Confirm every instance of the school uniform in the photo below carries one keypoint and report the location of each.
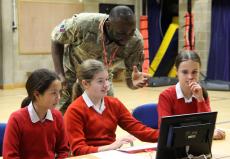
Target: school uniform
(88, 127)
(29, 138)
(172, 102)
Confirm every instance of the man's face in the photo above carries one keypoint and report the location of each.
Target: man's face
(121, 31)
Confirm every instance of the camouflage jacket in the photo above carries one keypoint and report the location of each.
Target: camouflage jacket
(83, 34)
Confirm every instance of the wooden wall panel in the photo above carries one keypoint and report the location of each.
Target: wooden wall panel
(36, 21)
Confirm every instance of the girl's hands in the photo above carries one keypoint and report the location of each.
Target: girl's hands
(117, 144)
(196, 90)
(219, 134)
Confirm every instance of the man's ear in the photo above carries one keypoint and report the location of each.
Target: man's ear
(107, 23)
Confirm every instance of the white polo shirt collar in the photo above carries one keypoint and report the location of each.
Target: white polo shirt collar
(180, 94)
(34, 117)
(89, 103)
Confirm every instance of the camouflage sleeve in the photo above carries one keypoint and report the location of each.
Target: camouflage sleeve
(66, 31)
(136, 57)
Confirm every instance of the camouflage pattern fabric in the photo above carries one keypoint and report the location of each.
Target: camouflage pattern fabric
(83, 40)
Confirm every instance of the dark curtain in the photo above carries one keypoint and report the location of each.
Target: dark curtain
(159, 19)
(218, 63)
(155, 37)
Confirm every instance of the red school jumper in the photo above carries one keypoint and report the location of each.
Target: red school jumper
(87, 130)
(27, 140)
(169, 105)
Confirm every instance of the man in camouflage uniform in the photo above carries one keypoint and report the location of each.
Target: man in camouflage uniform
(112, 39)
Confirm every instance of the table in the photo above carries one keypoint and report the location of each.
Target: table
(220, 150)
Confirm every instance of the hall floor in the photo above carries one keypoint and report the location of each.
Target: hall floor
(220, 101)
